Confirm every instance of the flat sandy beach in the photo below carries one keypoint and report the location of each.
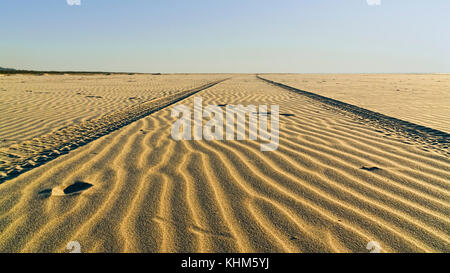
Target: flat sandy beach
(91, 159)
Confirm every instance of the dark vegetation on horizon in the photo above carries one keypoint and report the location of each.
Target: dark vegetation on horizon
(10, 71)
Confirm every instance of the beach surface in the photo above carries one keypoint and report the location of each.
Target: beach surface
(420, 98)
(335, 182)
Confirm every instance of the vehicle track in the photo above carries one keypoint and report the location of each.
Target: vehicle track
(433, 138)
(21, 157)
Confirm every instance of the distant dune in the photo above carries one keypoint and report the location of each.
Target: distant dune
(335, 183)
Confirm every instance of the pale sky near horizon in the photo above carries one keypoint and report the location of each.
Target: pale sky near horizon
(238, 36)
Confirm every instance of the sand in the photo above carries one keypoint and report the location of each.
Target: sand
(31, 106)
(334, 184)
(418, 98)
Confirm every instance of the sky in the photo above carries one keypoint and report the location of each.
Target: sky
(230, 36)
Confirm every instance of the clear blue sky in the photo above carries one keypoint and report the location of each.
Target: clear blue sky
(301, 36)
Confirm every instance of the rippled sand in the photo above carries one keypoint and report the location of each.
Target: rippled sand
(31, 106)
(418, 98)
(334, 184)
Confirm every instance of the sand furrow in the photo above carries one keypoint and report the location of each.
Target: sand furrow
(397, 184)
(62, 224)
(260, 187)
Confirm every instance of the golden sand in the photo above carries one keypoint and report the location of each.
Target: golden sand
(417, 98)
(318, 192)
